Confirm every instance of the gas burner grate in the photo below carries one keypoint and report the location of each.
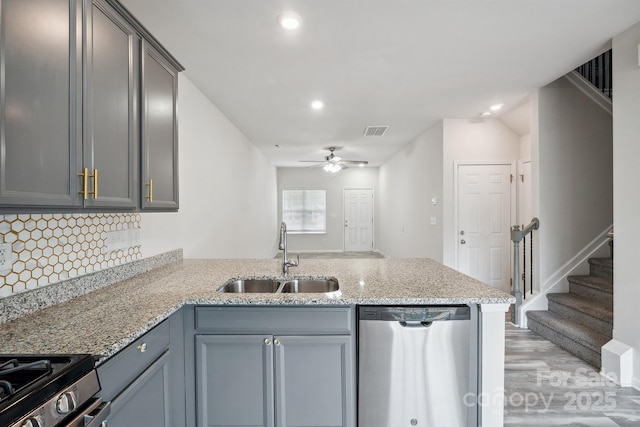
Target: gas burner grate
(15, 376)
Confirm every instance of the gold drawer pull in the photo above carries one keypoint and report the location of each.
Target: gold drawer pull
(142, 347)
(85, 183)
(150, 196)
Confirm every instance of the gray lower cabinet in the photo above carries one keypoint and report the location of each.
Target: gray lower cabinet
(159, 131)
(313, 381)
(40, 102)
(300, 374)
(146, 402)
(234, 380)
(145, 381)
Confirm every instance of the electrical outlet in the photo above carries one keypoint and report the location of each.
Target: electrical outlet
(6, 256)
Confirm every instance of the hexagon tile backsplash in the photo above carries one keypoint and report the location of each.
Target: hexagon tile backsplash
(48, 248)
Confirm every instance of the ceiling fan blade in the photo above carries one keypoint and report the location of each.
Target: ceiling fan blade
(361, 162)
(311, 161)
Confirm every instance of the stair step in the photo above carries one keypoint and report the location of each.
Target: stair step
(601, 267)
(572, 336)
(587, 312)
(596, 288)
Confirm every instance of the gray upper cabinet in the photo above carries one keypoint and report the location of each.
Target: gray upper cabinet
(159, 131)
(40, 102)
(80, 97)
(111, 135)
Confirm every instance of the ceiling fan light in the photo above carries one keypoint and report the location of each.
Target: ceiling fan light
(327, 167)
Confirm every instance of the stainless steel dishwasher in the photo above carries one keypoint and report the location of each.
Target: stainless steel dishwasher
(417, 366)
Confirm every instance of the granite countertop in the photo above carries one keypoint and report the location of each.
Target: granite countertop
(106, 320)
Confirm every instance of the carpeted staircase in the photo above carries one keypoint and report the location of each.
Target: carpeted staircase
(580, 321)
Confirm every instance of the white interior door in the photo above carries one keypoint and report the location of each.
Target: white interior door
(484, 217)
(358, 220)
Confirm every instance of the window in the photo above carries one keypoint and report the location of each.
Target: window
(305, 211)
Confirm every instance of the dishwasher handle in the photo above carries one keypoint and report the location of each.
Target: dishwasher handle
(415, 324)
(424, 323)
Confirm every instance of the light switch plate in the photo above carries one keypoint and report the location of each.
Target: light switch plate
(6, 253)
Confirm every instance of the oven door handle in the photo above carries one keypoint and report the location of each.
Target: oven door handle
(98, 417)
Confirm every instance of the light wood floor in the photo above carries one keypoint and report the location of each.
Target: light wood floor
(547, 386)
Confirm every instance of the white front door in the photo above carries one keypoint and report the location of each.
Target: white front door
(358, 220)
(484, 218)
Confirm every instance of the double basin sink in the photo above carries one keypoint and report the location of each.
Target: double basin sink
(284, 286)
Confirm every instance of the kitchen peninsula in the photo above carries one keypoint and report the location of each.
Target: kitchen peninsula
(107, 320)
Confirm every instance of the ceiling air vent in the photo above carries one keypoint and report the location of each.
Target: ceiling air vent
(375, 130)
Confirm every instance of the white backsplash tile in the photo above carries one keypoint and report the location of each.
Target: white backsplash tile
(48, 248)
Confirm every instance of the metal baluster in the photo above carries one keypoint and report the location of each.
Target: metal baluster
(524, 266)
(531, 265)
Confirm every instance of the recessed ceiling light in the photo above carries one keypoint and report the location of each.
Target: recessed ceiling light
(289, 20)
(486, 114)
(317, 105)
(496, 107)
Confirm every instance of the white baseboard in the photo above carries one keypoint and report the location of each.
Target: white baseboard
(617, 364)
(579, 263)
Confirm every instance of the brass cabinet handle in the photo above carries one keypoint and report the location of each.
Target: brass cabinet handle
(142, 347)
(85, 183)
(95, 184)
(150, 196)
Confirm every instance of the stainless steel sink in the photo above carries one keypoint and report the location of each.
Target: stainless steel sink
(286, 286)
(250, 286)
(310, 286)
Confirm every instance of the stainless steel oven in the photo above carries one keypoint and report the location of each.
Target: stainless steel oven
(50, 391)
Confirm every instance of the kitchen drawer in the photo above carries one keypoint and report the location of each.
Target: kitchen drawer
(125, 366)
(288, 320)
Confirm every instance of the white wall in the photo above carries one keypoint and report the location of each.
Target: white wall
(573, 148)
(525, 147)
(334, 184)
(470, 141)
(408, 182)
(626, 196)
(227, 189)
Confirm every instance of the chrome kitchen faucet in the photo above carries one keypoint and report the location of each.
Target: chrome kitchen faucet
(286, 263)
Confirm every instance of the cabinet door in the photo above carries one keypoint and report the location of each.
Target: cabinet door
(159, 132)
(234, 380)
(314, 381)
(146, 402)
(111, 116)
(40, 99)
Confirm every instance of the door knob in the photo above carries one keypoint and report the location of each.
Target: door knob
(462, 242)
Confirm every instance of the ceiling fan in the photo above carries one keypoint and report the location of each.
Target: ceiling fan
(333, 163)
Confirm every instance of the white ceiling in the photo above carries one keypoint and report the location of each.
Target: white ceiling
(402, 63)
